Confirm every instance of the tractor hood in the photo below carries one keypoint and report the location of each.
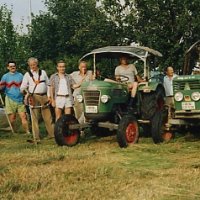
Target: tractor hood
(97, 84)
(187, 77)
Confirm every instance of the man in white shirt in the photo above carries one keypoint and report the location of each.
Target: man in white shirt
(36, 83)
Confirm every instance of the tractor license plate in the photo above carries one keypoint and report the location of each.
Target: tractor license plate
(188, 105)
(91, 109)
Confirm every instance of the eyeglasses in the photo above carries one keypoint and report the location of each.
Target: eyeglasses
(12, 66)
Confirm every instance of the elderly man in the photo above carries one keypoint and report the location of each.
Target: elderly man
(36, 81)
(80, 76)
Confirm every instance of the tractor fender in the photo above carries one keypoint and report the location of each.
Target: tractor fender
(148, 87)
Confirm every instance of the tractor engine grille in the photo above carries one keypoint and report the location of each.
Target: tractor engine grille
(91, 97)
(190, 84)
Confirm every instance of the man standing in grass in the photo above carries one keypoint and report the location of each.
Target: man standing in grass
(168, 85)
(61, 94)
(36, 81)
(79, 77)
(10, 84)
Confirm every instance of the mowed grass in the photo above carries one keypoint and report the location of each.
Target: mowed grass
(98, 169)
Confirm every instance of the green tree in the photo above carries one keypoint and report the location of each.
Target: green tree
(43, 37)
(169, 26)
(7, 37)
(123, 15)
(70, 28)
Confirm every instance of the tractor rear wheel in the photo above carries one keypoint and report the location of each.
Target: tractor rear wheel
(157, 127)
(152, 103)
(63, 135)
(128, 131)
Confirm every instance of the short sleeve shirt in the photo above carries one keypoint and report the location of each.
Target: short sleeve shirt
(78, 78)
(168, 85)
(130, 71)
(11, 83)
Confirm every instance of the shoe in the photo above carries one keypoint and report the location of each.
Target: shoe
(132, 110)
(49, 137)
(34, 141)
(28, 133)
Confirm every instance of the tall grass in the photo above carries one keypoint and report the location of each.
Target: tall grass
(99, 169)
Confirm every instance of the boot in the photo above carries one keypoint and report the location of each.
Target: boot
(132, 104)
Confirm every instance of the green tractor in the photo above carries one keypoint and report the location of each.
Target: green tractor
(105, 101)
(185, 115)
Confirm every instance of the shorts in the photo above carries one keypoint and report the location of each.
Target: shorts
(13, 106)
(63, 102)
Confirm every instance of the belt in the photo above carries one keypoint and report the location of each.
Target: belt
(60, 95)
(40, 94)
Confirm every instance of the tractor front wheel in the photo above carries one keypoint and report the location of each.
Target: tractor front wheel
(63, 135)
(128, 131)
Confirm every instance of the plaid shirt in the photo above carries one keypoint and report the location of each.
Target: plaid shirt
(54, 83)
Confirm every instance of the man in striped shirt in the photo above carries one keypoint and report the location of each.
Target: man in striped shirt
(10, 84)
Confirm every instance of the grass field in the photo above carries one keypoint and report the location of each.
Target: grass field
(99, 169)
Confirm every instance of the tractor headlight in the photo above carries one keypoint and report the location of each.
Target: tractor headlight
(195, 96)
(178, 96)
(105, 98)
(79, 98)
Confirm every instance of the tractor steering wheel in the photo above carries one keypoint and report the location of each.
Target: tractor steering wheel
(123, 78)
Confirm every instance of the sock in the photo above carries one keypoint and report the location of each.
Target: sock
(132, 101)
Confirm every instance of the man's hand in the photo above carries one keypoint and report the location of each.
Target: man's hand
(53, 103)
(26, 97)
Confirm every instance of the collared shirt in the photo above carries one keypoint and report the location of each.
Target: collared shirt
(130, 71)
(29, 83)
(168, 85)
(55, 80)
(10, 83)
(78, 78)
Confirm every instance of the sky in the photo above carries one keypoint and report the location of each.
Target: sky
(21, 10)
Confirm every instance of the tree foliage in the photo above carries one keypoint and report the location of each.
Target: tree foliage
(80, 26)
(7, 37)
(71, 28)
(169, 26)
(123, 15)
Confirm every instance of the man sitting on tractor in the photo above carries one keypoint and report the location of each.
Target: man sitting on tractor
(129, 72)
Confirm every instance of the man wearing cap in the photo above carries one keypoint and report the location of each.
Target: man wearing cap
(36, 82)
(10, 84)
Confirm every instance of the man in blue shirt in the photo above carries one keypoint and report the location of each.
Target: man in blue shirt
(10, 83)
(168, 85)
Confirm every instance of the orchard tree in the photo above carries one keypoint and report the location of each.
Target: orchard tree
(123, 15)
(78, 26)
(43, 37)
(169, 26)
(7, 38)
